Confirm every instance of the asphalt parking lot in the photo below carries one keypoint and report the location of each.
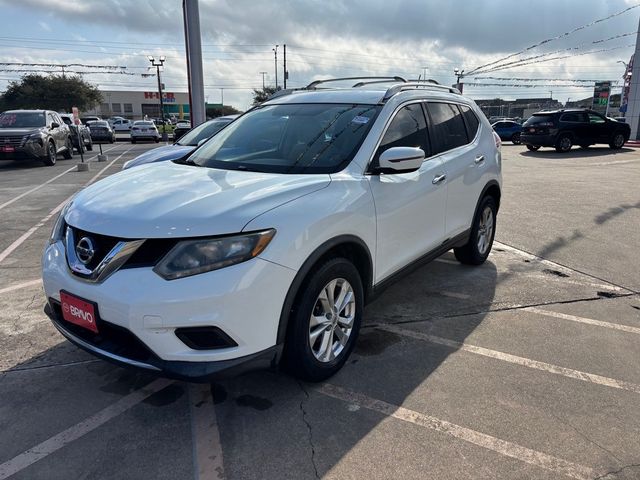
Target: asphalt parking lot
(524, 368)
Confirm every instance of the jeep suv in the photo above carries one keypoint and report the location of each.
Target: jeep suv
(38, 134)
(563, 129)
(265, 242)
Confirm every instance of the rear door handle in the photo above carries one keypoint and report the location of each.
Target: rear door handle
(439, 179)
(479, 159)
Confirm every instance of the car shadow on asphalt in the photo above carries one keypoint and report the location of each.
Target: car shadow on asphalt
(591, 152)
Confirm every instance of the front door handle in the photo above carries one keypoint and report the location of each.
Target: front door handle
(439, 179)
(479, 159)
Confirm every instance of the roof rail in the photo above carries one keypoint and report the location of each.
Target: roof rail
(315, 83)
(415, 85)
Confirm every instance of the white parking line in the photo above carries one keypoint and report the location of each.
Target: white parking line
(46, 448)
(9, 250)
(19, 286)
(22, 195)
(587, 321)
(205, 434)
(502, 447)
(525, 362)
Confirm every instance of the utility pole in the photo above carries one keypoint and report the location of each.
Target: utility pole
(263, 74)
(222, 97)
(158, 64)
(286, 74)
(193, 46)
(275, 63)
(424, 73)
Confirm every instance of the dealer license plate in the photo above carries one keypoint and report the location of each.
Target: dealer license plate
(79, 311)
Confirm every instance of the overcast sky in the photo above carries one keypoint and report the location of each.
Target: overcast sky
(324, 39)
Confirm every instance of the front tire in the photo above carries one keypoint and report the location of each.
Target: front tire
(533, 148)
(515, 138)
(483, 230)
(617, 141)
(51, 156)
(324, 321)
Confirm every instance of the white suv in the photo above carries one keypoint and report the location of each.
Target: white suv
(265, 243)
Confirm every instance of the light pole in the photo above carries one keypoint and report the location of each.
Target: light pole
(459, 74)
(263, 74)
(159, 64)
(275, 63)
(424, 73)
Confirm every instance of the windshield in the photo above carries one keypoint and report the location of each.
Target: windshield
(144, 124)
(291, 138)
(202, 132)
(22, 119)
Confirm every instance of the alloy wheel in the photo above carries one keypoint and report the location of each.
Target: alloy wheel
(485, 230)
(331, 321)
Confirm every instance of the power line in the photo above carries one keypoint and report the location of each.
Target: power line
(540, 79)
(508, 66)
(557, 37)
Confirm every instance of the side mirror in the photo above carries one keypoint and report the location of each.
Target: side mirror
(400, 160)
(54, 125)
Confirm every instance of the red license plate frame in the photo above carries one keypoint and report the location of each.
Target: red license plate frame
(79, 311)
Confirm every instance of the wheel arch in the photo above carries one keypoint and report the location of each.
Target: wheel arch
(348, 246)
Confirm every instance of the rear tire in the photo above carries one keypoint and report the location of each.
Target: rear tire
(324, 321)
(51, 156)
(515, 138)
(617, 141)
(533, 148)
(68, 153)
(483, 230)
(564, 143)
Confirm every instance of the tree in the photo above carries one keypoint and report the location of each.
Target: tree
(55, 92)
(213, 112)
(261, 95)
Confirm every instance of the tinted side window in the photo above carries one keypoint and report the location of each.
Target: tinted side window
(595, 118)
(572, 117)
(471, 121)
(447, 127)
(407, 129)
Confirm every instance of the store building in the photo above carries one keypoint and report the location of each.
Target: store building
(135, 105)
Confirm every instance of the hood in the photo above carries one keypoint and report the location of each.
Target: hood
(170, 200)
(160, 154)
(6, 132)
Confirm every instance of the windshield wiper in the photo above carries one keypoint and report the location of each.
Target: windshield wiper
(186, 161)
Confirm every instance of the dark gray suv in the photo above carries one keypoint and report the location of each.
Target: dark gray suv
(34, 134)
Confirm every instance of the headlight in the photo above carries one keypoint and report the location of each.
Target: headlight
(58, 228)
(191, 257)
(34, 138)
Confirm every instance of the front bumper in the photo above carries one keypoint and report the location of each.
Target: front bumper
(29, 151)
(144, 311)
(188, 371)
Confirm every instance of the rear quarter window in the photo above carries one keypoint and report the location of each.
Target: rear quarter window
(471, 121)
(535, 119)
